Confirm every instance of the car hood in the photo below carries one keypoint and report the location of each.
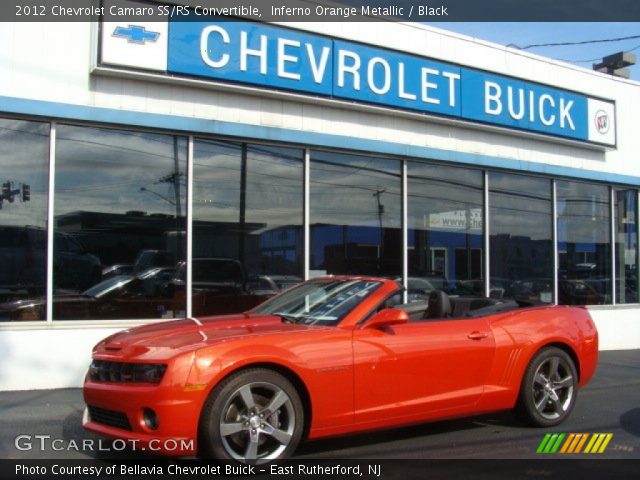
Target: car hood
(169, 338)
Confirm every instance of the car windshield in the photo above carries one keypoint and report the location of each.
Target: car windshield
(325, 301)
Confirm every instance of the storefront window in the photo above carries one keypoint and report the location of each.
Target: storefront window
(355, 215)
(247, 231)
(584, 244)
(626, 228)
(119, 224)
(521, 244)
(24, 170)
(445, 222)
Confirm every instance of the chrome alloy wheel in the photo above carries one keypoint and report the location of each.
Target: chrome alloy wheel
(257, 423)
(553, 386)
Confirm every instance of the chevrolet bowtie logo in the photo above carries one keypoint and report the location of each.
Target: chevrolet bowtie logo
(136, 34)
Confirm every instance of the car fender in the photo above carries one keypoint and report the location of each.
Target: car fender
(521, 334)
(327, 386)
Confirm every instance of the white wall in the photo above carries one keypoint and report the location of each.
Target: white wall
(44, 358)
(618, 328)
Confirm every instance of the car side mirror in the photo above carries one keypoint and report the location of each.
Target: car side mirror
(387, 317)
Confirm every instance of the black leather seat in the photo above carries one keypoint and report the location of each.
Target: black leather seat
(439, 305)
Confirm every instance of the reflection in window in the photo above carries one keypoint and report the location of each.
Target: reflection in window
(445, 228)
(24, 159)
(584, 244)
(355, 215)
(521, 244)
(626, 211)
(247, 231)
(119, 224)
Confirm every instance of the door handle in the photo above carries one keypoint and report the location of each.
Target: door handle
(477, 335)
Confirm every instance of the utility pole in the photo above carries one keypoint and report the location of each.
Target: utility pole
(378, 194)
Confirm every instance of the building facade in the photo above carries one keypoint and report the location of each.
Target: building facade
(160, 170)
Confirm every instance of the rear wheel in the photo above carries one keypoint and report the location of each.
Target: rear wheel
(549, 389)
(254, 416)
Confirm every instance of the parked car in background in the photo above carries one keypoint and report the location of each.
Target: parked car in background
(117, 269)
(578, 292)
(220, 285)
(476, 287)
(23, 263)
(74, 268)
(122, 296)
(418, 288)
(271, 284)
(153, 258)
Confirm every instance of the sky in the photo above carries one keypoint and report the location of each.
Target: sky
(523, 34)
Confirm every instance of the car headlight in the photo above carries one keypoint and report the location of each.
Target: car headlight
(107, 371)
(148, 372)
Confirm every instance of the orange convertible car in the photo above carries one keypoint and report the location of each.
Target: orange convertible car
(331, 356)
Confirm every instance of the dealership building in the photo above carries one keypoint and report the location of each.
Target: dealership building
(156, 170)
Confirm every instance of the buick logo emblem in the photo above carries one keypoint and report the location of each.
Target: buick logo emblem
(602, 122)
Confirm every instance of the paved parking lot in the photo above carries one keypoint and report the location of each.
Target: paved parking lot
(611, 403)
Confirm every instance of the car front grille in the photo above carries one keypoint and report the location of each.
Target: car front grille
(111, 418)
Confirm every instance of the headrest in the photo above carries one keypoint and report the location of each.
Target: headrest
(439, 305)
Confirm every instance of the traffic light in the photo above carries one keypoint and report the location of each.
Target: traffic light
(26, 192)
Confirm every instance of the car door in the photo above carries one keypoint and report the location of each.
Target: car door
(418, 369)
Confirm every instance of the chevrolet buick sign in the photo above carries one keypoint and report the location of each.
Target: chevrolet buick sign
(277, 58)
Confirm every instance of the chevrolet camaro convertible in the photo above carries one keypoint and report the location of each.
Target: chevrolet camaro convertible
(331, 356)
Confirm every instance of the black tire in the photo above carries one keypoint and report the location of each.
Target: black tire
(549, 389)
(253, 416)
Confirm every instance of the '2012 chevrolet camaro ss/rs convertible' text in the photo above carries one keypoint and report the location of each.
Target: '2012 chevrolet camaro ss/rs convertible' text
(331, 356)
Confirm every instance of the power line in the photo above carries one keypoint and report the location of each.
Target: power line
(599, 58)
(563, 44)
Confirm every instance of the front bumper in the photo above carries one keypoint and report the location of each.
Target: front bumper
(122, 416)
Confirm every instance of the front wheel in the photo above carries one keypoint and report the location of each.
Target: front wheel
(549, 389)
(254, 416)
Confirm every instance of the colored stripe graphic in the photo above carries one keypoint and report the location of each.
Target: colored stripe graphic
(582, 442)
(543, 443)
(598, 443)
(556, 446)
(592, 440)
(572, 443)
(606, 442)
(570, 439)
(577, 441)
(550, 443)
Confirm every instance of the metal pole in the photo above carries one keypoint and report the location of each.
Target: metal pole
(306, 228)
(51, 220)
(243, 204)
(485, 223)
(176, 177)
(554, 239)
(405, 231)
(189, 257)
(612, 225)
